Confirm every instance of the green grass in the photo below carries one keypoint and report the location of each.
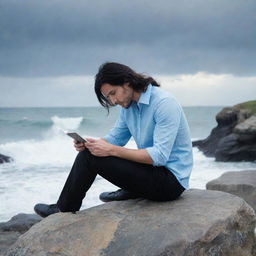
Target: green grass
(250, 105)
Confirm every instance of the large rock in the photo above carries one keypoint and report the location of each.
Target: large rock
(242, 184)
(234, 138)
(5, 159)
(12, 229)
(200, 223)
(247, 127)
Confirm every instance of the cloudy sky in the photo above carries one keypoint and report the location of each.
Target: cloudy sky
(203, 51)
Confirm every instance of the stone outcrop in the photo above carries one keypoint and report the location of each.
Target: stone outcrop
(5, 159)
(12, 229)
(201, 222)
(234, 138)
(242, 184)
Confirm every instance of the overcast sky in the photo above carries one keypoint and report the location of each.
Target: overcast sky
(203, 51)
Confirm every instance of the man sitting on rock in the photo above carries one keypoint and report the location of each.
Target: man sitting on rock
(158, 170)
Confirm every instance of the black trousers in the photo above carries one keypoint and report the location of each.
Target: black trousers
(148, 181)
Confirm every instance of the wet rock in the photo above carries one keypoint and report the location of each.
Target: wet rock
(5, 159)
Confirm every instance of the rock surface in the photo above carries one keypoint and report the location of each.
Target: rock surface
(234, 138)
(242, 184)
(5, 159)
(12, 229)
(201, 222)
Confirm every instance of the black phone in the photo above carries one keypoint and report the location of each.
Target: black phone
(76, 136)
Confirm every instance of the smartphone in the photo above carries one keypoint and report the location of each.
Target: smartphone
(76, 136)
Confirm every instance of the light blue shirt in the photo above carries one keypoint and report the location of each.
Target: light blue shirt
(157, 124)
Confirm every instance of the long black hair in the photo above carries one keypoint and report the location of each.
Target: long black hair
(117, 74)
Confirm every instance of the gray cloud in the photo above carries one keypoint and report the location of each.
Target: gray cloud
(62, 37)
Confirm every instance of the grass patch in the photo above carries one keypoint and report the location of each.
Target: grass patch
(250, 105)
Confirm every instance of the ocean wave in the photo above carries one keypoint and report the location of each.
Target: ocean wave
(63, 122)
(27, 122)
(56, 151)
(67, 123)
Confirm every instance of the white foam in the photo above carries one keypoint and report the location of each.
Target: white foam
(63, 124)
(71, 123)
(206, 169)
(55, 149)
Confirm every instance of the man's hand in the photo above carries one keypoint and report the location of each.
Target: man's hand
(103, 148)
(79, 146)
(99, 147)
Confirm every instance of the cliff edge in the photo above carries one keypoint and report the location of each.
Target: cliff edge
(234, 138)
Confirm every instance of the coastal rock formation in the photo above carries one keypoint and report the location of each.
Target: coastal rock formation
(12, 229)
(5, 159)
(242, 184)
(201, 222)
(234, 138)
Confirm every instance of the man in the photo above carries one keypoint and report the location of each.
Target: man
(158, 170)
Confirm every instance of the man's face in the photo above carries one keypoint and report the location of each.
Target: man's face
(118, 95)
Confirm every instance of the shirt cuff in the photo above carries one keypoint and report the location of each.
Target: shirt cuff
(154, 154)
(110, 139)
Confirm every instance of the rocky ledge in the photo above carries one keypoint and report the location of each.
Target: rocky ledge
(201, 222)
(242, 184)
(234, 138)
(5, 159)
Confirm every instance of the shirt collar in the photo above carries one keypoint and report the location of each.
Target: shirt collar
(145, 96)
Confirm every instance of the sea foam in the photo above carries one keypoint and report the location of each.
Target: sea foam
(55, 149)
(72, 123)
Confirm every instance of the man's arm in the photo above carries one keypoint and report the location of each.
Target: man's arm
(136, 155)
(103, 148)
(167, 117)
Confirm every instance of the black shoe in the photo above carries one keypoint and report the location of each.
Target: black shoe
(118, 195)
(45, 210)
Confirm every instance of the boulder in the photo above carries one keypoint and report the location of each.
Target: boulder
(247, 127)
(20, 222)
(5, 159)
(242, 184)
(201, 222)
(234, 138)
(12, 229)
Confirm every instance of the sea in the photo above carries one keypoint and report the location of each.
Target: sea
(43, 154)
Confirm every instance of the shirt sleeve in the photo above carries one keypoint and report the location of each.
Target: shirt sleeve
(120, 134)
(167, 117)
